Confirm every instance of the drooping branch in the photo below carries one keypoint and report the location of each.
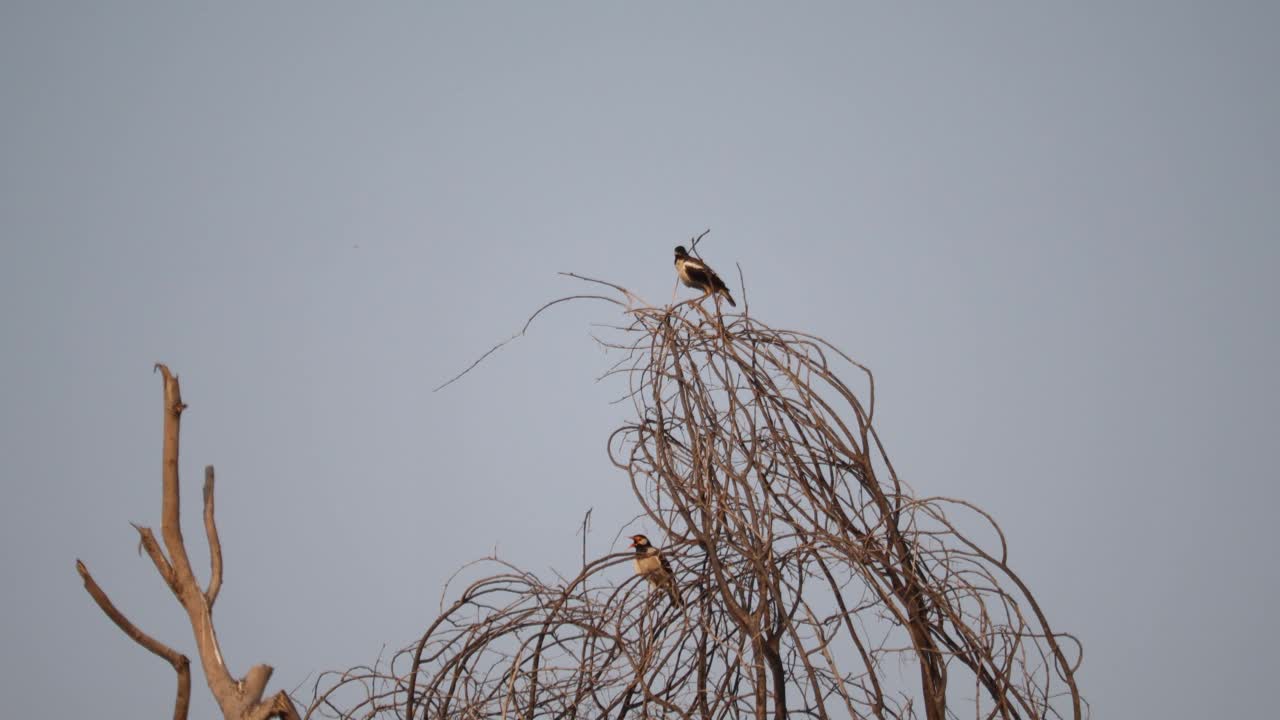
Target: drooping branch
(181, 665)
(238, 699)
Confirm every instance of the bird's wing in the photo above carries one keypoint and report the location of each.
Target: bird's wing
(673, 585)
(709, 276)
(696, 273)
(694, 263)
(716, 283)
(699, 274)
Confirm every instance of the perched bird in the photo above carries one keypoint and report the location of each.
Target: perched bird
(696, 274)
(652, 565)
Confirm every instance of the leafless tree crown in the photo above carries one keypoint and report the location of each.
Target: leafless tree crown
(815, 583)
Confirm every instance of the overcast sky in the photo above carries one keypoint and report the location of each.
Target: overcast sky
(1051, 231)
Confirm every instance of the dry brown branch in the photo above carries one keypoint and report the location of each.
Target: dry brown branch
(181, 665)
(238, 699)
(211, 534)
(809, 570)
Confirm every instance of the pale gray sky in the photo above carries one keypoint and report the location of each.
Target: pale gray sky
(1052, 232)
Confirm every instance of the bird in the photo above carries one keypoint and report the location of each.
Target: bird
(652, 565)
(696, 274)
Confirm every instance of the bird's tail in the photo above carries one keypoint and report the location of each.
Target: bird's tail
(674, 593)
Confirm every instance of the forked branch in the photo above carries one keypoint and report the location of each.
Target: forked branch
(238, 699)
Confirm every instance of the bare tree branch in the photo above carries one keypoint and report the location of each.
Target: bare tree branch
(693, 244)
(147, 540)
(520, 334)
(211, 534)
(181, 665)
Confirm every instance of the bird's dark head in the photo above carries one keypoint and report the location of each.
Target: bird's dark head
(639, 542)
(681, 252)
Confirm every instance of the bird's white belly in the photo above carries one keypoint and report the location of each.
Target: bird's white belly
(647, 564)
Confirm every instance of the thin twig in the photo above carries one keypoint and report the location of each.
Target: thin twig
(693, 245)
(527, 323)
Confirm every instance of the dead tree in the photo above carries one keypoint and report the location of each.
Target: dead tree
(239, 699)
(815, 583)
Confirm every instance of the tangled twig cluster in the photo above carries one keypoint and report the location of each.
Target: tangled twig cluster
(814, 582)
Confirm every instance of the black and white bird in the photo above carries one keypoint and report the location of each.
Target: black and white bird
(652, 565)
(696, 274)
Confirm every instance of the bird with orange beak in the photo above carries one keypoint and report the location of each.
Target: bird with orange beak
(652, 565)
